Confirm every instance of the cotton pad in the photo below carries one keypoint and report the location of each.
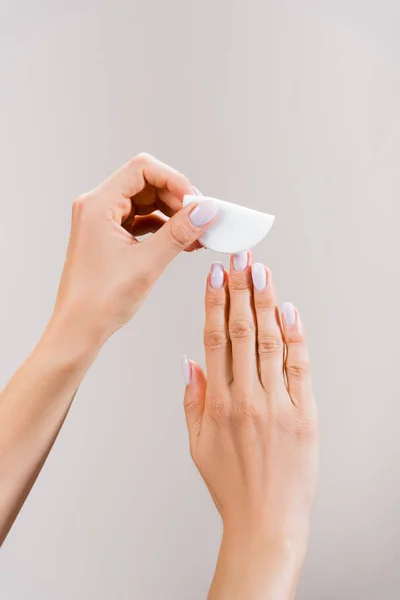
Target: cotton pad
(235, 228)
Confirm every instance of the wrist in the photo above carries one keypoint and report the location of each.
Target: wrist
(71, 340)
(252, 564)
(259, 541)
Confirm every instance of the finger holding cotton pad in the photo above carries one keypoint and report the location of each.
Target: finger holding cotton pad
(235, 227)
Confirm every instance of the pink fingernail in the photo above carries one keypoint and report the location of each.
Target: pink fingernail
(203, 213)
(186, 370)
(289, 313)
(259, 275)
(240, 260)
(217, 275)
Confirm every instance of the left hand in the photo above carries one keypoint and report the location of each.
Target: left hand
(253, 429)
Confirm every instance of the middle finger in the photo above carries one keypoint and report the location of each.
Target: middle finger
(242, 328)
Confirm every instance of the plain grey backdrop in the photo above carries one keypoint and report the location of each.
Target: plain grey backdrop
(288, 107)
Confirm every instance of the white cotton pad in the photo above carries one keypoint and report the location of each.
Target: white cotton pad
(235, 228)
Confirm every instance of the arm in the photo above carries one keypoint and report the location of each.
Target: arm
(253, 432)
(106, 277)
(33, 407)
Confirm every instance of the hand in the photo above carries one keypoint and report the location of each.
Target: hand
(106, 277)
(107, 272)
(253, 428)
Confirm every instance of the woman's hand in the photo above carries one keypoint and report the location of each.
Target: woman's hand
(253, 431)
(108, 273)
(106, 277)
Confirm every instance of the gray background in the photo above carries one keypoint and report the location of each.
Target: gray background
(288, 107)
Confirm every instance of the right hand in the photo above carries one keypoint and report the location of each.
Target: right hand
(107, 272)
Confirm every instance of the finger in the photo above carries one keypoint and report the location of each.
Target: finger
(196, 191)
(144, 169)
(163, 202)
(161, 209)
(297, 363)
(241, 321)
(195, 394)
(180, 232)
(151, 199)
(195, 246)
(216, 336)
(144, 202)
(269, 334)
(143, 225)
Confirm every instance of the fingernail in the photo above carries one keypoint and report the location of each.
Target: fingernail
(240, 260)
(186, 369)
(203, 213)
(289, 313)
(217, 275)
(259, 275)
(197, 192)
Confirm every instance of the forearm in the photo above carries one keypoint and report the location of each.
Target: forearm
(252, 567)
(33, 407)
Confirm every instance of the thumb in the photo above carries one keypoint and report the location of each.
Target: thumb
(195, 394)
(182, 230)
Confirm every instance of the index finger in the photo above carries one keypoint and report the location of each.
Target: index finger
(144, 169)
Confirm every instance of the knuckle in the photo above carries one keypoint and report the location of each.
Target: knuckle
(313, 421)
(215, 339)
(298, 369)
(265, 302)
(239, 282)
(190, 404)
(143, 158)
(309, 429)
(80, 204)
(218, 407)
(215, 300)
(270, 344)
(241, 329)
(245, 411)
(305, 425)
(181, 234)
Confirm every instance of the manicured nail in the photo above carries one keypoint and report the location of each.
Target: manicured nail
(240, 260)
(203, 213)
(217, 275)
(289, 312)
(259, 275)
(197, 192)
(186, 369)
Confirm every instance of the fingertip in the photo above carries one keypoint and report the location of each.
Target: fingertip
(191, 371)
(217, 295)
(291, 322)
(289, 314)
(260, 276)
(186, 370)
(202, 213)
(217, 276)
(240, 261)
(198, 377)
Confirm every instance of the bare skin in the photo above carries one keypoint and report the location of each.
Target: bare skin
(253, 433)
(252, 426)
(107, 275)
